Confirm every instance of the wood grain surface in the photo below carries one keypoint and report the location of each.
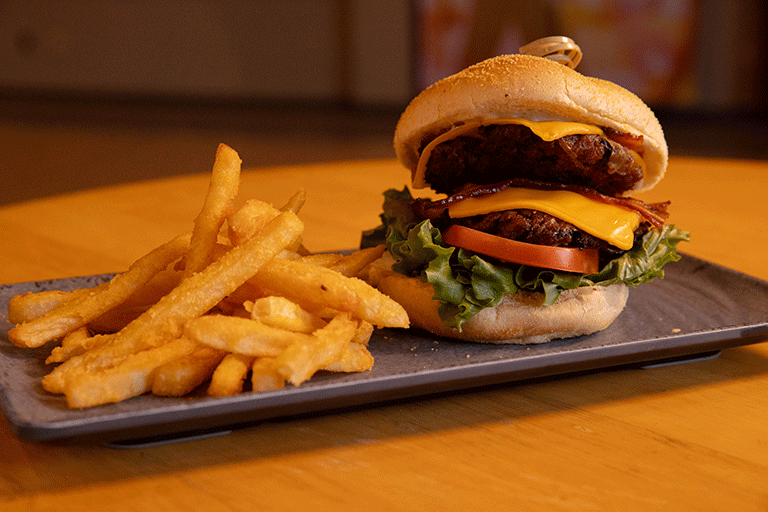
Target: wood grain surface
(686, 437)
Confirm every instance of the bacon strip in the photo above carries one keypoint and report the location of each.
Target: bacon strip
(655, 214)
(633, 142)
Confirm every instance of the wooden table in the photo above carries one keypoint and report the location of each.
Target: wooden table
(687, 437)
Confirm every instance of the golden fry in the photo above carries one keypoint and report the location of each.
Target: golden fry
(249, 219)
(180, 376)
(324, 347)
(141, 300)
(28, 306)
(132, 377)
(117, 318)
(225, 181)
(229, 375)
(87, 306)
(316, 287)
(356, 358)
(240, 335)
(193, 297)
(296, 202)
(352, 264)
(283, 313)
(323, 259)
(264, 375)
(73, 344)
(363, 333)
(199, 307)
(308, 285)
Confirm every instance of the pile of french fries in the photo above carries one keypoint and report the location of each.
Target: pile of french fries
(237, 297)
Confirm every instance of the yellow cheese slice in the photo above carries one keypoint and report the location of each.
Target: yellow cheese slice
(611, 223)
(546, 130)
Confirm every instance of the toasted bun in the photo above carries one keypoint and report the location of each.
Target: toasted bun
(518, 318)
(532, 88)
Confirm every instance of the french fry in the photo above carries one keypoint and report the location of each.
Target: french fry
(323, 259)
(158, 287)
(308, 285)
(141, 300)
(193, 297)
(229, 375)
(249, 219)
(312, 286)
(222, 190)
(356, 358)
(296, 202)
(118, 317)
(285, 314)
(264, 375)
(363, 333)
(324, 347)
(253, 215)
(240, 335)
(132, 377)
(211, 305)
(352, 264)
(25, 307)
(85, 307)
(73, 344)
(180, 376)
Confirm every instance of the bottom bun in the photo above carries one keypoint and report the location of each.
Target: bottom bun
(520, 318)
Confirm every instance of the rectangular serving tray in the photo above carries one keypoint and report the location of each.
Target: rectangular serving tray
(698, 309)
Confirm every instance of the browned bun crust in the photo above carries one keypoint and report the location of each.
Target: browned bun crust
(532, 88)
(519, 318)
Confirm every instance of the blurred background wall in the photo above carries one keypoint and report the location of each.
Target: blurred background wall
(706, 54)
(302, 80)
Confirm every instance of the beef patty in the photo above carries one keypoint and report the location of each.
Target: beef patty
(496, 153)
(535, 227)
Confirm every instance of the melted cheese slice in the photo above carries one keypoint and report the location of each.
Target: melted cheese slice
(546, 130)
(611, 223)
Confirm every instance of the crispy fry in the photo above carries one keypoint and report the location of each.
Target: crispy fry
(363, 333)
(249, 219)
(132, 377)
(211, 305)
(159, 286)
(264, 375)
(323, 259)
(225, 180)
(296, 202)
(229, 375)
(193, 297)
(352, 264)
(240, 335)
(180, 376)
(87, 306)
(28, 306)
(308, 285)
(356, 358)
(141, 300)
(74, 343)
(285, 314)
(324, 347)
(313, 287)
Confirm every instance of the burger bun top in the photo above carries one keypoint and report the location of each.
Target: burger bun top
(533, 88)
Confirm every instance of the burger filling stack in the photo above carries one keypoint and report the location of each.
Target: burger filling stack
(533, 233)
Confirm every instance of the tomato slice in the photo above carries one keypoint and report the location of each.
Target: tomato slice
(582, 261)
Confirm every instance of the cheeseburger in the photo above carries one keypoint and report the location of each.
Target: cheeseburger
(533, 234)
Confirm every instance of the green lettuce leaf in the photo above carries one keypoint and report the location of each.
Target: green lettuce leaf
(465, 282)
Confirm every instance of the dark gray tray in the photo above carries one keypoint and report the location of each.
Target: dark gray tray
(697, 310)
